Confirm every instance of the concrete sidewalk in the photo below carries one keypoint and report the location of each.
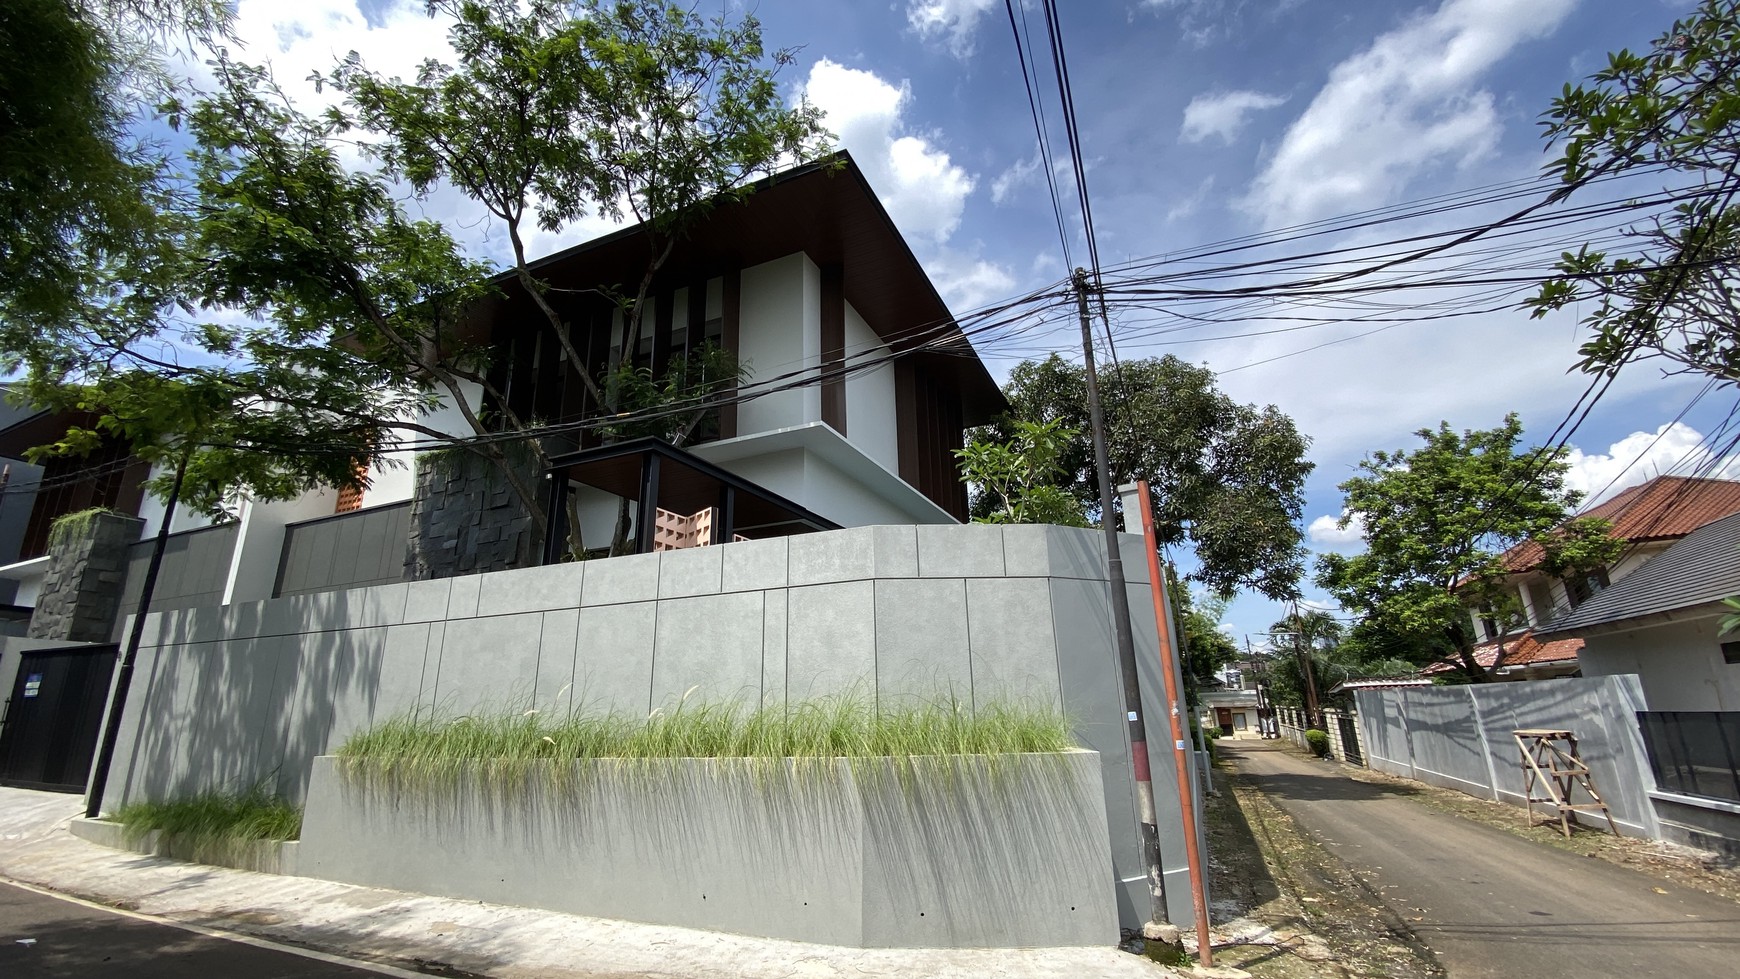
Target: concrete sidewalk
(1489, 903)
(417, 932)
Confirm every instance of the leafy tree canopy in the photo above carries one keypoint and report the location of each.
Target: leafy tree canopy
(1016, 481)
(1206, 648)
(1436, 520)
(1227, 479)
(1667, 292)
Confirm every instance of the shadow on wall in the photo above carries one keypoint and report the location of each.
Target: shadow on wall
(1460, 737)
(973, 851)
(233, 713)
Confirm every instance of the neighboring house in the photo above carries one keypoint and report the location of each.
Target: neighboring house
(1649, 518)
(859, 388)
(1662, 623)
(1233, 705)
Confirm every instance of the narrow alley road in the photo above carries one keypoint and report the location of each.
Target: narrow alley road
(44, 937)
(1491, 904)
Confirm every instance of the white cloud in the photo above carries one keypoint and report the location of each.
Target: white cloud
(967, 281)
(1326, 530)
(1641, 456)
(298, 40)
(1410, 102)
(955, 18)
(923, 190)
(1223, 114)
(1014, 178)
(1190, 205)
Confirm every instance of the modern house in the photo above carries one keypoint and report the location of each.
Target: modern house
(1663, 623)
(811, 543)
(1649, 518)
(858, 387)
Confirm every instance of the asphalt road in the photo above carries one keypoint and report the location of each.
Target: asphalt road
(42, 937)
(1488, 903)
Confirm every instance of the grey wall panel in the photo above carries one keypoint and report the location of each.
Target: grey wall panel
(349, 550)
(1461, 737)
(195, 569)
(707, 649)
(922, 653)
(258, 689)
(1010, 633)
(830, 640)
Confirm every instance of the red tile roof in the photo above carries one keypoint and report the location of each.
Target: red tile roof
(1523, 651)
(1665, 508)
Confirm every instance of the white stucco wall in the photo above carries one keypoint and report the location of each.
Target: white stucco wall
(844, 500)
(779, 332)
(1680, 664)
(780, 472)
(598, 511)
(151, 510)
(392, 475)
(870, 414)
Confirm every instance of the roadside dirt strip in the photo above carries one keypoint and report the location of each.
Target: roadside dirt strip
(1471, 899)
(1291, 909)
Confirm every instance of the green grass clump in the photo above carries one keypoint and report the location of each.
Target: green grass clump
(71, 526)
(214, 818)
(435, 749)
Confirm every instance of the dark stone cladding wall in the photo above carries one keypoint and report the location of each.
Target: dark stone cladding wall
(466, 519)
(81, 590)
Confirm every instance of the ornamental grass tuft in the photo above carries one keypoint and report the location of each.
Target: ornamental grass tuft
(435, 749)
(214, 818)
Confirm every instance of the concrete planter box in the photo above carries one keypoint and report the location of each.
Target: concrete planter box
(974, 851)
(261, 856)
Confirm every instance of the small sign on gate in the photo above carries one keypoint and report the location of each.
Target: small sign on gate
(32, 684)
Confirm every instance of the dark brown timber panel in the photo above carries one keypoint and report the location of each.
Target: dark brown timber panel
(834, 347)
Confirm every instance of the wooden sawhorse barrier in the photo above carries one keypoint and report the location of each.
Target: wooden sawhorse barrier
(1550, 763)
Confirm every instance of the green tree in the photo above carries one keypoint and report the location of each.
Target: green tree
(1015, 481)
(1204, 645)
(555, 110)
(266, 347)
(1226, 479)
(1675, 108)
(1435, 522)
(79, 191)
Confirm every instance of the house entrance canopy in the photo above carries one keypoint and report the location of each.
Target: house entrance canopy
(660, 476)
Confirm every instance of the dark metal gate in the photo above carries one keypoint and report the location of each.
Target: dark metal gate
(53, 717)
(1350, 740)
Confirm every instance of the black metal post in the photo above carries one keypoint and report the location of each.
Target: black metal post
(1126, 642)
(124, 675)
(555, 516)
(646, 520)
(725, 527)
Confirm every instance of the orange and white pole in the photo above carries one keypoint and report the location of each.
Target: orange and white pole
(1171, 660)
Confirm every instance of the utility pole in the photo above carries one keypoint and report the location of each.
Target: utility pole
(1313, 714)
(124, 674)
(1163, 929)
(1265, 708)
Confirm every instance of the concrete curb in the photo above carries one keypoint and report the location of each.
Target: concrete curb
(264, 856)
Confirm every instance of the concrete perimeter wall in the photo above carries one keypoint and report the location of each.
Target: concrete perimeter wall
(1460, 738)
(255, 691)
(970, 852)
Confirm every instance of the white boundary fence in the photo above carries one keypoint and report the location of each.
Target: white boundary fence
(1460, 737)
(1346, 742)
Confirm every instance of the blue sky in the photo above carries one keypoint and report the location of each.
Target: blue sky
(1200, 120)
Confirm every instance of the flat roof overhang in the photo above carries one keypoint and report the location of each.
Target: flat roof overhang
(825, 209)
